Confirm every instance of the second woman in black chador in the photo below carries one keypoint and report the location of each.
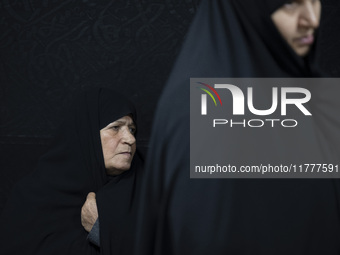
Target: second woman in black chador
(179, 215)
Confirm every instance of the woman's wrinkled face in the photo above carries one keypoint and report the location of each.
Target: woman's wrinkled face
(119, 145)
(296, 21)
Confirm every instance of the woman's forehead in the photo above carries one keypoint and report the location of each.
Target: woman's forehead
(124, 120)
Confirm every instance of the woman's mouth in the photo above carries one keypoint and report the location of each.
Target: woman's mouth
(305, 40)
(127, 154)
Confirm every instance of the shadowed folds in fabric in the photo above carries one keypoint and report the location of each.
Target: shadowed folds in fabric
(42, 215)
(179, 215)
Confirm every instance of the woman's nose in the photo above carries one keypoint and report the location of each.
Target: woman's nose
(309, 15)
(128, 137)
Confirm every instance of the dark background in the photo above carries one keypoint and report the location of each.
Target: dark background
(51, 48)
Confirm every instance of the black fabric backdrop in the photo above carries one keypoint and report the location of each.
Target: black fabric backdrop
(49, 49)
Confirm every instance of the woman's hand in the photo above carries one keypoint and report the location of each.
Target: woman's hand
(89, 212)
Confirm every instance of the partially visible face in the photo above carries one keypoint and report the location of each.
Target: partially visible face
(296, 21)
(119, 145)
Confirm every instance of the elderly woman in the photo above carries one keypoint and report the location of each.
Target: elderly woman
(93, 151)
(179, 215)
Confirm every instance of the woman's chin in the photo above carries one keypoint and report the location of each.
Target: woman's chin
(302, 51)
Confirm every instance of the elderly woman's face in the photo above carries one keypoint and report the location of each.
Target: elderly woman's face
(119, 145)
(296, 21)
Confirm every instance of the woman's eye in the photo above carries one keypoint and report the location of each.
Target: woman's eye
(116, 128)
(133, 130)
(290, 5)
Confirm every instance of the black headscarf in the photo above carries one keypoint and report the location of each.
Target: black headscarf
(42, 215)
(179, 215)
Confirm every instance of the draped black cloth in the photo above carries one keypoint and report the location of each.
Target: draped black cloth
(117, 207)
(42, 215)
(179, 215)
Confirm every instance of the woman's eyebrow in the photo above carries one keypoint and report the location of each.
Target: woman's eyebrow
(121, 122)
(118, 122)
